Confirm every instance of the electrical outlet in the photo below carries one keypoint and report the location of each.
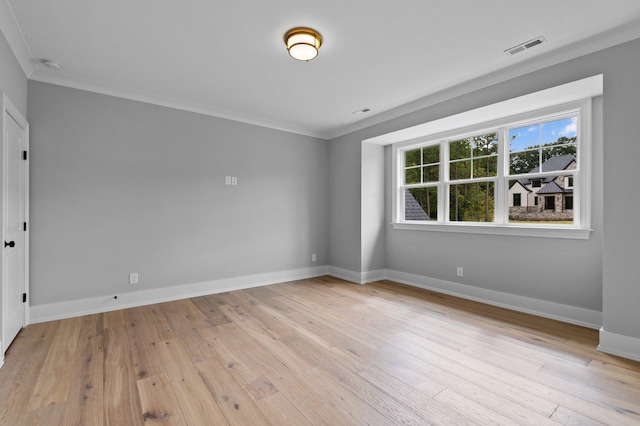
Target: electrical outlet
(313, 257)
(133, 278)
(460, 271)
(234, 180)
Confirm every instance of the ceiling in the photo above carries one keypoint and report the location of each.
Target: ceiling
(227, 58)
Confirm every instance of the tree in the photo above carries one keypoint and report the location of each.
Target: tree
(533, 156)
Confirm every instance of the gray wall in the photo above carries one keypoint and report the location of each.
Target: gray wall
(563, 271)
(119, 186)
(621, 309)
(13, 81)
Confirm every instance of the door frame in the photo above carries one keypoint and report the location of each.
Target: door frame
(8, 108)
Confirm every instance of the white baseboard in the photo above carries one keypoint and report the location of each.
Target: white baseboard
(356, 277)
(619, 345)
(94, 305)
(565, 313)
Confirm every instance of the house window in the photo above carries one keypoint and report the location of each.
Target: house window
(476, 178)
(550, 203)
(569, 182)
(568, 203)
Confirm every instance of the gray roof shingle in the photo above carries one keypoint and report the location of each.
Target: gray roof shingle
(412, 209)
(560, 162)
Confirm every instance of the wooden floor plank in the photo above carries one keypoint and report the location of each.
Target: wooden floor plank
(55, 375)
(85, 401)
(235, 403)
(121, 398)
(317, 351)
(196, 402)
(158, 402)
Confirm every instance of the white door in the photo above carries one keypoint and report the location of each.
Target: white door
(14, 228)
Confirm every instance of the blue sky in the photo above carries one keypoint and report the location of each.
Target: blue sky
(550, 132)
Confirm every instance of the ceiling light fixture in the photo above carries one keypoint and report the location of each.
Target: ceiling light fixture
(303, 43)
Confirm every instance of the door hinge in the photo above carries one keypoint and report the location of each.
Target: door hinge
(25, 226)
(24, 297)
(24, 155)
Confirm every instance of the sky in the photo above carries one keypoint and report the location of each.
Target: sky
(550, 132)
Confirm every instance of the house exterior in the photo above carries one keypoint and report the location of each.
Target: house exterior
(541, 199)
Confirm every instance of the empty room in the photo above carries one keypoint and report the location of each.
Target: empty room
(327, 213)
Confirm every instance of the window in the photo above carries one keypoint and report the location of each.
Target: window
(568, 203)
(496, 176)
(550, 203)
(569, 182)
(517, 201)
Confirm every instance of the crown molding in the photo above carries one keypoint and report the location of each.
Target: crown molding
(118, 92)
(11, 30)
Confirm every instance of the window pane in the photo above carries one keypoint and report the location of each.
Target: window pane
(559, 131)
(459, 149)
(412, 158)
(549, 146)
(471, 202)
(485, 167)
(431, 173)
(460, 170)
(550, 203)
(431, 154)
(524, 162)
(421, 204)
(485, 144)
(412, 176)
(523, 138)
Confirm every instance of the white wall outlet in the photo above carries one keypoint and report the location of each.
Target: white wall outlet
(460, 271)
(313, 257)
(234, 180)
(227, 180)
(133, 278)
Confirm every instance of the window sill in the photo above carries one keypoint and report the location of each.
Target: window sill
(509, 230)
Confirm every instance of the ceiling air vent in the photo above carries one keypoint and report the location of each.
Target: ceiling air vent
(526, 45)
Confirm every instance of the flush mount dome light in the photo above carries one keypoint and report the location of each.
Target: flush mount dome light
(303, 43)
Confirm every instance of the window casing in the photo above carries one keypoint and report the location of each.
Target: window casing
(479, 165)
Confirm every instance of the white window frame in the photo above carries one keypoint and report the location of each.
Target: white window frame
(581, 227)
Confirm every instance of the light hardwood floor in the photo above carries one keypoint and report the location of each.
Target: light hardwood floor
(317, 351)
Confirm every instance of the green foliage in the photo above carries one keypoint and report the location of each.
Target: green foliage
(473, 157)
(472, 202)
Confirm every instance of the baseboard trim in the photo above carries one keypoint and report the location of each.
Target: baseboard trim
(356, 277)
(96, 305)
(610, 343)
(565, 313)
(619, 345)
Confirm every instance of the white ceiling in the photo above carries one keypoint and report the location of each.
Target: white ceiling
(227, 58)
